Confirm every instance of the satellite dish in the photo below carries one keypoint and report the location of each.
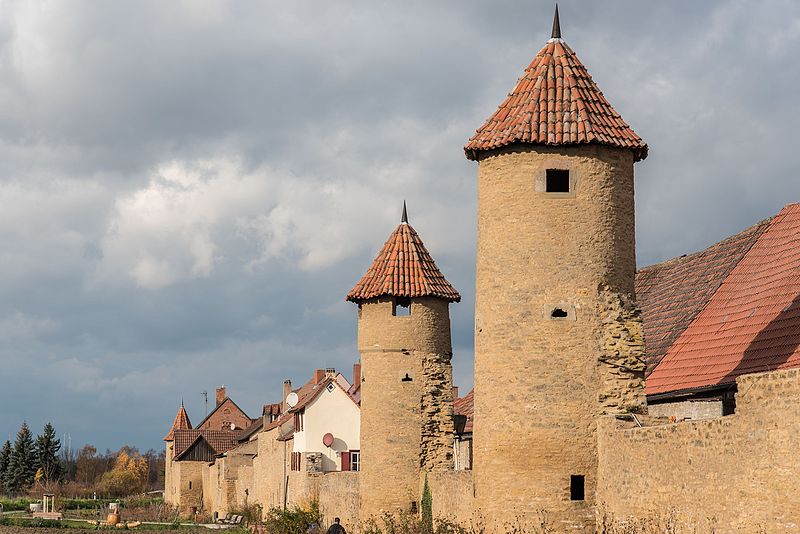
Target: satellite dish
(292, 399)
(327, 439)
(233, 426)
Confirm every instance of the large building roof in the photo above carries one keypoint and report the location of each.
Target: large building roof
(672, 293)
(751, 322)
(403, 268)
(555, 103)
(181, 422)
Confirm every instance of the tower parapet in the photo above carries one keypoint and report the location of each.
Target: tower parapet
(406, 391)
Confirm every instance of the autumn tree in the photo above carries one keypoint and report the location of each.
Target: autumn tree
(128, 476)
(22, 462)
(47, 447)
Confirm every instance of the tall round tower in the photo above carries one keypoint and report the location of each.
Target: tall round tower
(557, 334)
(406, 390)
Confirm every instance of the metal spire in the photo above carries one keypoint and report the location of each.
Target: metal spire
(404, 218)
(556, 26)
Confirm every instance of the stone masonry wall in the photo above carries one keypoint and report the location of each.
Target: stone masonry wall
(622, 361)
(733, 474)
(452, 493)
(400, 357)
(538, 379)
(436, 447)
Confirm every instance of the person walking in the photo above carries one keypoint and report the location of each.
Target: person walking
(336, 528)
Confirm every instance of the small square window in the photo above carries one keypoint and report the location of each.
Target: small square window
(401, 307)
(330, 387)
(557, 180)
(576, 487)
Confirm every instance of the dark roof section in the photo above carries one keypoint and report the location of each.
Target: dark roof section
(219, 440)
(403, 268)
(465, 407)
(751, 323)
(181, 422)
(556, 33)
(248, 432)
(555, 103)
(672, 293)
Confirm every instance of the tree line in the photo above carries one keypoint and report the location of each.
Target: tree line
(33, 465)
(30, 461)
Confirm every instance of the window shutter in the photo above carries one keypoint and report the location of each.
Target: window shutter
(346, 461)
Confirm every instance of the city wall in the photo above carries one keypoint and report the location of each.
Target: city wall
(733, 474)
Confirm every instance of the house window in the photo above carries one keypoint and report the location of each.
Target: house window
(576, 490)
(401, 307)
(355, 460)
(296, 461)
(557, 180)
(298, 421)
(330, 387)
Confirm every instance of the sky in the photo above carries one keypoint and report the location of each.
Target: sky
(188, 189)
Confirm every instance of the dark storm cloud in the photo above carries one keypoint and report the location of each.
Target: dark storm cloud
(190, 188)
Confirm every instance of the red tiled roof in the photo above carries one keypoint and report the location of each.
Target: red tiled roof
(272, 409)
(555, 103)
(465, 406)
(181, 422)
(219, 440)
(750, 324)
(403, 268)
(672, 293)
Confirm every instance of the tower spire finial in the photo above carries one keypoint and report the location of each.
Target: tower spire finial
(556, 26)
(404, 218)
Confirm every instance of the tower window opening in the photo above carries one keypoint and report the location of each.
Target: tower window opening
(406, 378)
(576, 487)
(557, 180)
(558, 313)
(401, 307)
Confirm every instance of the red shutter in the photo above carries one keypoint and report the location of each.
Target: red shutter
(346, 461)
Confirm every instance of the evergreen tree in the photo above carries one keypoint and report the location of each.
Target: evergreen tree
(47, 447)
(5, 458)
(22, 464)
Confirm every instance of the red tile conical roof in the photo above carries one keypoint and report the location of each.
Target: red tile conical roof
(403, 268)
(181, 423)
(555, 103)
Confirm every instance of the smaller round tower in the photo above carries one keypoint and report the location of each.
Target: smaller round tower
(406, 390)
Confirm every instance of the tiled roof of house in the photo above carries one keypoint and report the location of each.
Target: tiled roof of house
(224, 401)
(219, 440)
(403, 268)
(750, 324)
(672, 293)
(465, 406)
(555, 103)
(181, 422)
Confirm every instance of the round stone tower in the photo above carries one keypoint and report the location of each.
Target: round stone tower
(557, 334)
(406, 389)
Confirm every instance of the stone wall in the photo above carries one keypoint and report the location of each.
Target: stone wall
(538, 378)
(452, 493)
(731, 474)
(338, 497)
(689, 409)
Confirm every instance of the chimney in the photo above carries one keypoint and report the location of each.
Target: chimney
(330, 372)
(287, 388)
(220, 394)
(455, 392)
(319, 375)
(357, 374)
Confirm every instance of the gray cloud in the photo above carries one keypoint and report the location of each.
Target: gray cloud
(189, 189)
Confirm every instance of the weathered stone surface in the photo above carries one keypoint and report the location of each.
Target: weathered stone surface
(538, 380)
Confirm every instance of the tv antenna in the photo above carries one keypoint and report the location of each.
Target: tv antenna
(204, 393)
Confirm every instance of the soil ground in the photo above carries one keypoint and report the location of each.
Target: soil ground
(40, 530)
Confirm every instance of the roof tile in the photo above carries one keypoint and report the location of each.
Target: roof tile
(555, 81)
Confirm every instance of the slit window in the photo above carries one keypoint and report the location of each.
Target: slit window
(406, 378)
(576, 487)
(559, 313)
(401, 307)
(557, 180)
